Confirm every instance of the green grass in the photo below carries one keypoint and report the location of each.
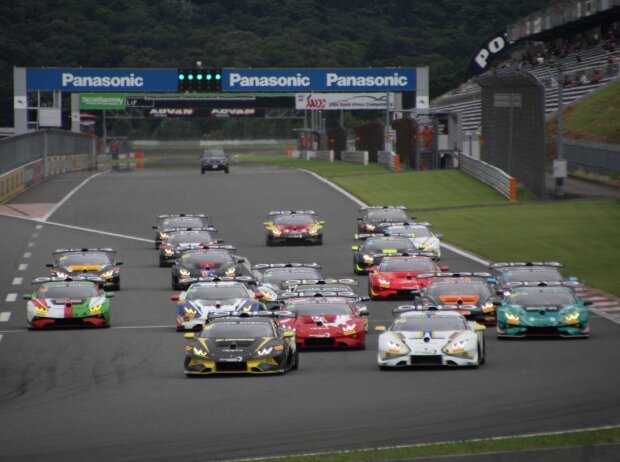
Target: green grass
(517, 443)
(584, 235)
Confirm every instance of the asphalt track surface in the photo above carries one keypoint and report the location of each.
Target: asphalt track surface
(120, 393)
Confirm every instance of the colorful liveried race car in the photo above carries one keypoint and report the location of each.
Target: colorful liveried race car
(87, 262)
(421, 235)
(68, 302)
(326, 321)
(213, 295)
(542, 309)
(207, 261)
(294, 226)
(183, 239)
(375, 219)
(167, 223)
(509, 273)
(372, 250)
(471, 294)
(430, 338)
(242, 344)
(397, 276)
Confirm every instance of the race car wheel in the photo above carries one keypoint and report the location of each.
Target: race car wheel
(175, 284)
(296, 358)
(269, 241)
(162, 263)
(355, 270)
(319, 241)
(384, 368)
(226, 170)
(203, 172)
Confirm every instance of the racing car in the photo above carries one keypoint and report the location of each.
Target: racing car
(430, 338)
(274, 275)
(167, 223)
(76, 301)
(508, 273)
(421, 235)
(397, 276)
(294, 226)
(207, 261)
(326, 321)
(87, 262)
(242, 344)
(375, 219)
(471, 294)
(181, 239)
(339, 287)
(207, 295)
(548, 309)
(372, 250)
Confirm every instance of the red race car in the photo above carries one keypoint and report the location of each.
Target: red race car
(397, 276)
(294, 226)
(326, 322)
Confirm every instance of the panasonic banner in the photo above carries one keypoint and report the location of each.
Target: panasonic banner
(100, 80)
(328, 80)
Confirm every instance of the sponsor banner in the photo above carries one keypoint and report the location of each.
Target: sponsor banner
(330, 80)
(204, 112)
(334, 101)
(102, 101)
(102, 79)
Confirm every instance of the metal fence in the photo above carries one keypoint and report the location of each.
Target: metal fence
(597, 158)
(513, 127)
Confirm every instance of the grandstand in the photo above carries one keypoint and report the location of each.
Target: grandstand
(585, 47)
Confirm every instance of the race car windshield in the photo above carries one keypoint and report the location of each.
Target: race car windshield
(238, 330)
(386, 215)
(547, 275)
(543, 299)
(294, 220)
(214, 154)
(216, 293)
(320, 309)
(418, 231)
(75, 291)
(456, 288)
(183, 222)
(190, 238)
(279, 277)
(198, 259)
(381, 244)
(84, 259)
(428, 324)
(410, 265)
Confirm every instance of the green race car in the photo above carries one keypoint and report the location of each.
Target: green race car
(68, 302)
(542, 309)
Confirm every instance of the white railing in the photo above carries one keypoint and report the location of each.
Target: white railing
(491, 175)
(357, 157)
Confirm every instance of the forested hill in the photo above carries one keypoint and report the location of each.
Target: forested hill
(442, 34)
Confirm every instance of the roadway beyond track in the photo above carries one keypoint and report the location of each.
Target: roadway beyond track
(120, 393)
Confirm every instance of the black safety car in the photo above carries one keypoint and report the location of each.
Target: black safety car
(214, 159)
(96, 262)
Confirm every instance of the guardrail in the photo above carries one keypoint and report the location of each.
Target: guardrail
(389, 159)
(590, 157)
(491, 175)
(357, 157)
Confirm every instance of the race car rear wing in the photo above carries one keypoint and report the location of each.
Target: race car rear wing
(177, 215)
(246, 314)
(406, 308)
(380, 207)
(512, 285)
(513, 264)
(364, 236)
(245, 279)
(210, 228)
(291, 212)
(317, 294)
(301, 282)
(105, 250)
(381, 256)
(264, 266)
(95, 279)
(208, 247)
(488, 276)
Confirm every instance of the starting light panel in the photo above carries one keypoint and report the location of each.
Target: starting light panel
(200, 80)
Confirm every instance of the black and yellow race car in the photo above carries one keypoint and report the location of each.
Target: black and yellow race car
(247, 343)
(372, 250)
(374, 219)
(87, 262)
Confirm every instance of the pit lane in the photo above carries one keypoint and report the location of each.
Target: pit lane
(120, 394)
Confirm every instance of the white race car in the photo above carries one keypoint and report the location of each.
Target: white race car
(201, 298)
(421, 235)
(430, 338)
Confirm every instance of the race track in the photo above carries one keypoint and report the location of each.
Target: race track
(120, 393)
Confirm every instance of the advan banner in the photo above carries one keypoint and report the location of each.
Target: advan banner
(342, 101)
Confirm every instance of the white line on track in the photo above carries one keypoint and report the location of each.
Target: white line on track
(22, 267)
(27, 254)
(5, 316)
(38, 227)
(68, 196)
(17, 281)
(35, 235)
(11, 297)
(31, 244)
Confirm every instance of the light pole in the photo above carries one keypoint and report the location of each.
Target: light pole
(559, 164)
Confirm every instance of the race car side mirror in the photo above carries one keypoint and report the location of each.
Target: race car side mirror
(27, 296)
(497, 303)
(364, 299)
(109, 294)
(189, 336)
(119, 263)
(240, 260)
(380, 328)
(266, 223)
(154, 227)
(480, 327)
(587, 302)
(355, 247)
(444, 268)
(364, 312)
(288, 334)
(439, 235)
(321, 222)
(174, 297)
(49, 265)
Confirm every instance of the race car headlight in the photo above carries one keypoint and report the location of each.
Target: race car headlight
(367, 258)
(230, 271)
(572, 318)
(429, 247)
(269, 295)
(190, 312)
(276, 232)
(163, 236)
(197, 351)
(107, 274)
(512, 318)
(95, 308)
(348, 329)
(41, 309)
(168, 252)
(264, 351)
(394, 348)
(314, 230)
(370, 227)
(183, 273)
(58, 274)
(488, 307)
(383, 282)
(456, 347)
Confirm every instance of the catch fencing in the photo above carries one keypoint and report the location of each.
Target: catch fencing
(589, 157)
(491, 175)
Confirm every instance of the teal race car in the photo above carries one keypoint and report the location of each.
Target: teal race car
(543, 309)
